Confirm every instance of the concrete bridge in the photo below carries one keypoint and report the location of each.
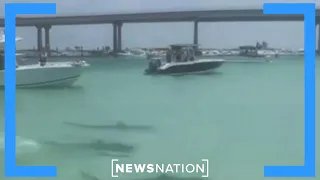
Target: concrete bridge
(236, 15)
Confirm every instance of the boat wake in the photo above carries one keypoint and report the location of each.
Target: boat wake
(23, 145)
(26, 150)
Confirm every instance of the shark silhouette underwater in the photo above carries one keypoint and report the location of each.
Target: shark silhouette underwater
(118, 126)
(100, 147)
(87, 176)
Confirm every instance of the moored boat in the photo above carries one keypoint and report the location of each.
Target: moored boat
(255, 55)
(43, 74)
(58, 74)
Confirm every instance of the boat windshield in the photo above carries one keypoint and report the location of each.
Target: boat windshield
(182, 54)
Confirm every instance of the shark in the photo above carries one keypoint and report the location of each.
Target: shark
(97, 145)
(118, 126)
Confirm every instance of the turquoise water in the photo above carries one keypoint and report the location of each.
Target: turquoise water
(241, 118)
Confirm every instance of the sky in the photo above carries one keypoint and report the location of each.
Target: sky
(211, 35)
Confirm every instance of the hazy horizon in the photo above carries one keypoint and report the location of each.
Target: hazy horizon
(211, 35)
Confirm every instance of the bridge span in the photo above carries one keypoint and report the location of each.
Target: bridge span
(235, 15)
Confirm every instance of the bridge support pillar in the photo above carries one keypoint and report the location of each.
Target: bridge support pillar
(115, 35)
(39, 38)
(195, 33)
(119, 44)
(47, 39)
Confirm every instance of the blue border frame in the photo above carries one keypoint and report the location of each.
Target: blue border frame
(11, 10)
(308, 10)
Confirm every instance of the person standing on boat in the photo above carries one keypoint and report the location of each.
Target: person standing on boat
(43, 59)
(178, 56)
(185, 56)
(191, 54)
(168, 56)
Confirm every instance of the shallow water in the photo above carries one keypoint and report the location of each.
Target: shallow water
(241, 118)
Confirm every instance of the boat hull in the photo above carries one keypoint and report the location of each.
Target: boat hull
(249, 61)
(51, 75)
(187, 68)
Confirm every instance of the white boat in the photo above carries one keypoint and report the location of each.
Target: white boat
(127, 53)
(3, 38)
(47, 74)
(137, 53)
(62, 74)
(300, 52)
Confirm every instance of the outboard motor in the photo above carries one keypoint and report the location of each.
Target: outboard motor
(158, 62)
(154, 64)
